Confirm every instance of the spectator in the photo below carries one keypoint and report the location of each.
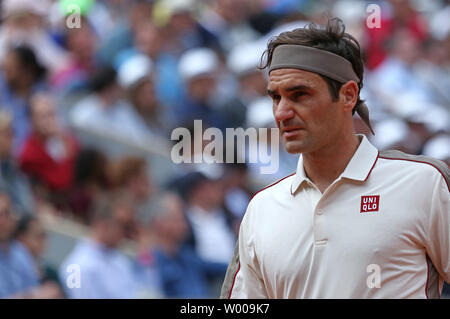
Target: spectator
(131, 174)
(136, 77)
(198, 69)
(395, 83)
(92, 179)
(213, 237)
(156, 43)
(402, 15)
(31, 234)
(106, 271)
(124, 34)
(237, 193)
(104, 113)
(184, 29)
(24, 22)
(183, 274)
(243, 61)
(49, 152)
(126, 213)
(105, 15)
(11, 178)
(19, 277)
(81, 45)
(22, 76)
(433, 70)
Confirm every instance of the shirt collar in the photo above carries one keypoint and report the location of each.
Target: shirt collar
(359, 167)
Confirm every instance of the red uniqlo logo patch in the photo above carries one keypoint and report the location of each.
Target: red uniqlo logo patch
(370, 203)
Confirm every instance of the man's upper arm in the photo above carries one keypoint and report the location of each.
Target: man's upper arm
(243, 278)
(233, 268)
(438, 246)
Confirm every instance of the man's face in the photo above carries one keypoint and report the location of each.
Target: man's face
(304, 112)
(12, 68)
(141, 186)
(82, 42)
(35, 239)
(211, 192)
(147, 39)
(145, 97)
(201, 87)
(175, 222)
(44, 117)
(113, 232)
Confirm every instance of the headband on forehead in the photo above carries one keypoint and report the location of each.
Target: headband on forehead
(291, 56)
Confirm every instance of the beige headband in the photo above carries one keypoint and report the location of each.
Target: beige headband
(291, 56)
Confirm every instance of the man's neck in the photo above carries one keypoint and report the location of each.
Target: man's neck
(324, 166)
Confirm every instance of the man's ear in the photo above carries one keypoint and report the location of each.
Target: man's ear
(348, 95)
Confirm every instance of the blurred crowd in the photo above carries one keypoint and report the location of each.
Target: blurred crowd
(90, 91)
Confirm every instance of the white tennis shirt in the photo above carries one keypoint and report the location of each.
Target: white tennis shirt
(381, 230)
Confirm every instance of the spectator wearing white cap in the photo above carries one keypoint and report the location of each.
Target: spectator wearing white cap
(24, 23)
(198, 69)
(211, 225)
(243, 63)
(137, 79)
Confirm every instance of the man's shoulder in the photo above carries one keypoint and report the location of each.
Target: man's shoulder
(20, 253)
(82, 254)
(416, 164)
(277, 188)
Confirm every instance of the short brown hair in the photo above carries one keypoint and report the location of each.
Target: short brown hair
(332, 38)
(126, 169)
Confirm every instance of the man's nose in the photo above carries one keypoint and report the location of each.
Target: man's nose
(283, 112)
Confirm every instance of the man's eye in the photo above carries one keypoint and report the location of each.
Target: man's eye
(276, 97)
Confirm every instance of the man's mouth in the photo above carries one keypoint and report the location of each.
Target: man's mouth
(291, 131)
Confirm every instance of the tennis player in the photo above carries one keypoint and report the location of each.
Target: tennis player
(352, 221)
